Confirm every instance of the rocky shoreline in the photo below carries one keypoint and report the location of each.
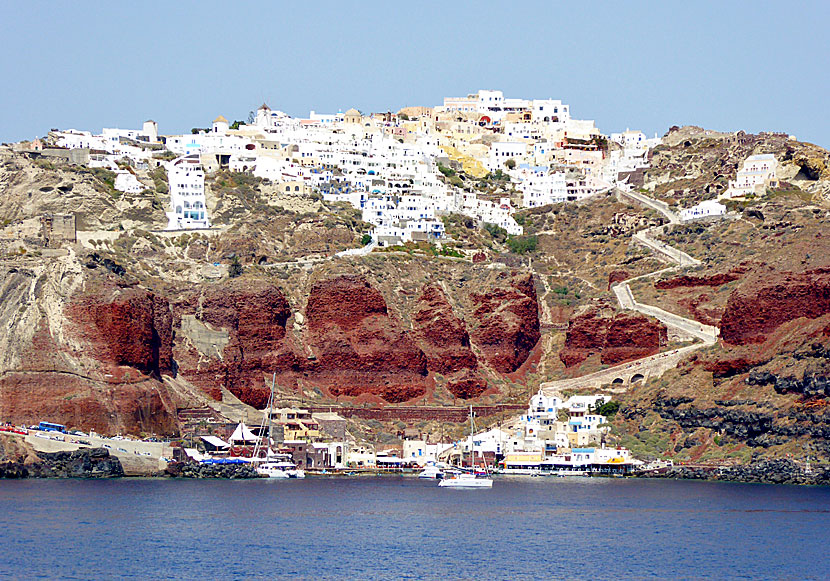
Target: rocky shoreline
(86, 463)
(227, 471)
(766, 472)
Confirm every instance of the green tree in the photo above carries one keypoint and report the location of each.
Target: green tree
(235, 269)
(510, 163)
(366, 239)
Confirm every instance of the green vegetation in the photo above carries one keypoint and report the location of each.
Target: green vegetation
(497, 232)
(235, 269)
(510, 163)
(365, 239)
(607, 409)
(403, 117)
(522, 244)
(446, 171)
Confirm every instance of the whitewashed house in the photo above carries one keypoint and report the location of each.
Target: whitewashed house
(704, 209)
(127, 182)
(186, 180)
(757, 173)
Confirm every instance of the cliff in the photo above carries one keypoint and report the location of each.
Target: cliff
(616, 337)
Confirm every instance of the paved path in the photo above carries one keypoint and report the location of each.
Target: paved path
(620, 377)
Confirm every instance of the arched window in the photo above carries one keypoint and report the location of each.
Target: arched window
(296, 188)
(186, 204)
(287, 188)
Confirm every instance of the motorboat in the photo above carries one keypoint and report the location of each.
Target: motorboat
(280, 470)
(431, 471)
(465, 480)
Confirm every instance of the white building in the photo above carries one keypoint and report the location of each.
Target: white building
(756, 175)
(703, 210)
(127, 182)
(186, 180)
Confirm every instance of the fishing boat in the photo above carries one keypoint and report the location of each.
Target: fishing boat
(464, 479)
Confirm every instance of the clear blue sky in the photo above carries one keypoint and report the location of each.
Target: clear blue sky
(722, 65)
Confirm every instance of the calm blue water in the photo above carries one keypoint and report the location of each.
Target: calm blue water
(384, 528)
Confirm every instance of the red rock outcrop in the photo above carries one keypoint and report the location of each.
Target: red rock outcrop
(686, 280)
(616, 276)
(254, 313)
(106, 377)
(358, 348)
(467, 386)
(763, 304)
(441, 335)
(509, 322)
(618, 338)
(129, 326)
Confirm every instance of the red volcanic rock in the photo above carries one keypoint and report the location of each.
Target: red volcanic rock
(730, 367)
(254, 313)
(344, 301)
(686, 280)
(131, 327)
(86, 388)
(358, 348)
(760, 306)
(509, 323)
(468, 386)
(706, 315)
(479, 257)
(619, 338)
(616, 276)
(440, 334)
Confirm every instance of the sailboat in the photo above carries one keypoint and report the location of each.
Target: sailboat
(275, 465)
(473, 479)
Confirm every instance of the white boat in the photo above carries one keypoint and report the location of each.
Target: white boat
(465, 480)
(461, 479)
(274, 465)
(432, 472)
(280, 470)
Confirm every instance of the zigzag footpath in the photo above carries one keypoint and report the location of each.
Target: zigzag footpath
(621, 376)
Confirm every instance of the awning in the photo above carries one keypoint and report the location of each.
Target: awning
(215, 442)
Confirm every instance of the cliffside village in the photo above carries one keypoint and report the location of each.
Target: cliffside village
(553, 436)
(396, 168)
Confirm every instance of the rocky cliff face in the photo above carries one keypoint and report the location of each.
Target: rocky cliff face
(756, 309)
(86, 358)
(509, 322)
(236, 338)
(358, 348)
(617, 337)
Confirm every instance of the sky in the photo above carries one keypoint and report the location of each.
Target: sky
(756, 66)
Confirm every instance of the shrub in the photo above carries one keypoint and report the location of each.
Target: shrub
(522, 244)
(366, 239)
(235, 268)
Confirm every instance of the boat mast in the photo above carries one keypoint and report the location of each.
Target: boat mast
(472, 443)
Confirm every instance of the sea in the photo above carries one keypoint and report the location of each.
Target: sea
(394, 527)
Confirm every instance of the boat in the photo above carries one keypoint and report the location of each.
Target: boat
(281, 469)
(459, 479)
(431, 471)
(464, 479)
(273, 465)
